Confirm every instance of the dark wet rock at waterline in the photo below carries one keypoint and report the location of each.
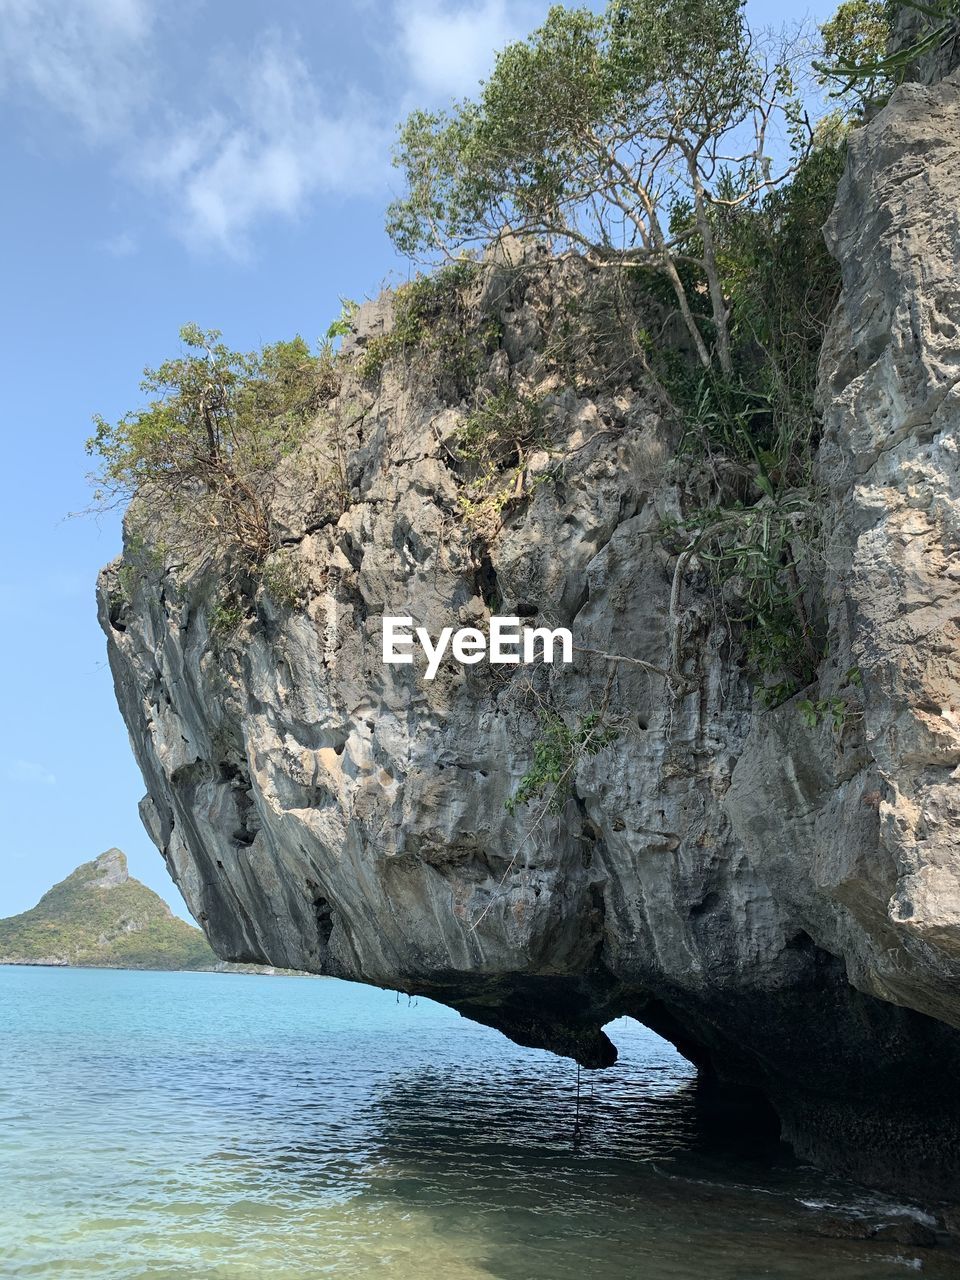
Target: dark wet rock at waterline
(780, 900)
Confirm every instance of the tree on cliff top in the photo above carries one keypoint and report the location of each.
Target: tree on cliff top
(625, 135)
(199, 454)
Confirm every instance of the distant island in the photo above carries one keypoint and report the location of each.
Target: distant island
(100, 917)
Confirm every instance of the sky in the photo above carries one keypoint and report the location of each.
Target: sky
(222, 162)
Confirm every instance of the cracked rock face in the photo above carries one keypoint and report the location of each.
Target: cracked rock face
(781, 901)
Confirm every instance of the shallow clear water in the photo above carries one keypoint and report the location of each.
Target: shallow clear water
(182, 1126)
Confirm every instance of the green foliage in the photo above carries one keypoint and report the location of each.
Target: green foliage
(226, 615)
(591, 130)
(783, 286)
(597, 338)
(857, 36)
(613, 134)
(128, 576)
(856, 44)
(431, 317)
(343, 325)
(200, 455)
(555, 755)
(749, 441)
(521, 156)
(502, 423)
(752, 554)
(483, 507)
(283, 579)
(837, 710)
(123, 925)
(813, 713)
(140, 557)
(492, 440)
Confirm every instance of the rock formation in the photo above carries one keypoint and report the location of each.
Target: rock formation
(780, 899)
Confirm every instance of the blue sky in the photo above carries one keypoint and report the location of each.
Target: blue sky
(224, 163)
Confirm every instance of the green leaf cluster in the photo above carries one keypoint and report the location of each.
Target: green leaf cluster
(594, 132)
(432, 316)
(200, 454)
(754, 435)
(530, 153)
(492, 440)
(343, 325)
(555, 755)
(282, 578)
(502, 423)
(837, 710)
(226, 615)
(857, 53)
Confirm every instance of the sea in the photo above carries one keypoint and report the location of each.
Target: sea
(207, 1126)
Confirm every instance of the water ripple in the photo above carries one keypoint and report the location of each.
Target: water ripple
(214, 1127)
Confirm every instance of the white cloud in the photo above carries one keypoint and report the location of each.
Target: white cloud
(266, 150)
(240, 138)
(28, 772)
(85, 59)
(450, 47)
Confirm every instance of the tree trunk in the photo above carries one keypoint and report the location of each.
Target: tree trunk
(717, 300)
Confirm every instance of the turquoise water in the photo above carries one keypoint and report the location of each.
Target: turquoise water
(181, 1126)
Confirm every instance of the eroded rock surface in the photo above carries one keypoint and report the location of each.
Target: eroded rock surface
(782, 901)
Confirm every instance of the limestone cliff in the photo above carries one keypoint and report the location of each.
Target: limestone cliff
(781, 900)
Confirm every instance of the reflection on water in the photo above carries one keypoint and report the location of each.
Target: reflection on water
(176, 1126)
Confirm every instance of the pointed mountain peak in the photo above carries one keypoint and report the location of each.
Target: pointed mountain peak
(100, 915)
(111, 868)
